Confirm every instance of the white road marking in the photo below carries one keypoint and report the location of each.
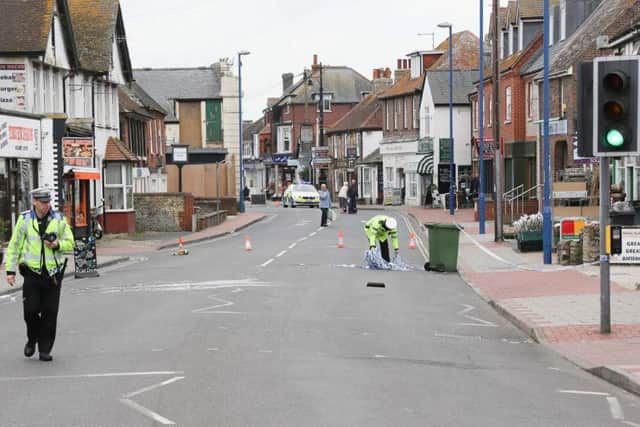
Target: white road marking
(147, 412)
(269, 219)
(280, 254)
(184, 286)
(478, 321)
(81, 376)
(213, 349)
(462, 337)
(152, 387)
(615, 408)
(551, 368)
(582, 392)
(421, 248)
(264, 264)
(235, 291)
(319, 228)
(380, 356)
(293, 245)
(157, 349)
(302, 239)
(630, 423)
(265, 351)
(212, 309)
(313, 234)
(126, 399)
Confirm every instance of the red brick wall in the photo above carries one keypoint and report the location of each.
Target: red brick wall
(120, 222)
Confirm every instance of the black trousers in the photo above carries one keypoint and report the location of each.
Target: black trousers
(384, 250)
(323, 219)
(41, 300)
(352, 205)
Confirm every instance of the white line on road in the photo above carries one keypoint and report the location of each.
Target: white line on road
(280, 254)
(152, 387)
(615, 408)
(212, 309)
(80, 376)
(264, 264)
(462, 337)
(157, 349)
(302, 239)
(293, 245)
(423, 251)
(588, 393)
(212, 349)
(147, 412)
(630, 423)
(478, 321)
(313, 234)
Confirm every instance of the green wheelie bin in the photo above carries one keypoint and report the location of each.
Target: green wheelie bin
(443, 246)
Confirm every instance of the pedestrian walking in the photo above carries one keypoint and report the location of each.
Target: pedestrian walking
(342, 196)
(325, 204)
(378, 230)
(39, 239)
(352, 195)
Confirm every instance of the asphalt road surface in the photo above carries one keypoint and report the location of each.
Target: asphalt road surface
(288, 334)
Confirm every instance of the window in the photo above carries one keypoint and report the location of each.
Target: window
(405, 113)
(416, 109)
(326, 102)
(107, 105)
(287, 109)
(36, 90)
(86, 93)
(396, 116)
(118, 186)
(551, 19)
(388, 176)
(507, 118)
(389, 106)
(490, 115)
(284, 139)
(475, 115)
(529, 96)
(427, 121)
(412, 185)
(56, 90)
(47, 90)
(366, 182)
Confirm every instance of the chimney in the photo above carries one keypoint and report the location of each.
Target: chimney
(381, 79)
(287, 81)
(315, 64)
(402, 70)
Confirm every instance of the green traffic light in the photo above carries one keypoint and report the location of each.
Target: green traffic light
(614, 138)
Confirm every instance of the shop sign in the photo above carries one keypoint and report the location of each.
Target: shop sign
(425, 145)
(556, 127)
(445, 149)
(13, 79)
(293, 163)
(352, 153)
(630, 247)
(77, 152)
(19, 137)
(320, 157)
(280, 159)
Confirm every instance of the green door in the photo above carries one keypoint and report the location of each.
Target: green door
(213, 117)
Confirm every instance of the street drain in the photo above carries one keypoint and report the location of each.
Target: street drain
(375, 285)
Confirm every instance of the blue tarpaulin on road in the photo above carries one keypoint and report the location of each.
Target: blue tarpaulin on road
(374, 261)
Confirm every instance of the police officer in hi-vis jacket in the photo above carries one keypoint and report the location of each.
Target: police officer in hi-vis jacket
(36, 248)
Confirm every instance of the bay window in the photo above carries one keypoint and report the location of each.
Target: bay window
(118, 186)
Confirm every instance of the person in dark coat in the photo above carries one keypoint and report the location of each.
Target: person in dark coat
(352, 195)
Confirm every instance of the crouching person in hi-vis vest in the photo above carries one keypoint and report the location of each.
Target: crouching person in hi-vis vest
(39, 239)
(379, 229)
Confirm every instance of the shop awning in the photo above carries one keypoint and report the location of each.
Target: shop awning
(425, 165)
(90, 174)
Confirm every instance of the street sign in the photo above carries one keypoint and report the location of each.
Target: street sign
(180, 154)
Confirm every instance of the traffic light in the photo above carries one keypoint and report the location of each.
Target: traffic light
(615, 104)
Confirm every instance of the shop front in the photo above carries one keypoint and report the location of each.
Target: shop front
(20, 154)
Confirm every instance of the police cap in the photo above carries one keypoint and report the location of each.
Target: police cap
(42, 194)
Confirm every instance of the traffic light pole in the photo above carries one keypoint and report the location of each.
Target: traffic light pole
(605, 300)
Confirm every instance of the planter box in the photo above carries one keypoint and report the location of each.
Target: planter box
(529, 241)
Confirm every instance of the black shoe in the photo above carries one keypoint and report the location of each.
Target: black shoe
(46, 357)
(29, 349)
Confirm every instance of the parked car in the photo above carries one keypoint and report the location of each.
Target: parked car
(301, 195)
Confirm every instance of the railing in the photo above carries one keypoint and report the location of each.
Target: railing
(515, 198)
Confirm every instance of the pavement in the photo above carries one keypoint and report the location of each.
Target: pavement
(114, 249)
(559, 307)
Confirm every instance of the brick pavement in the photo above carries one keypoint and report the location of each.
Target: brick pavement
(559, 308)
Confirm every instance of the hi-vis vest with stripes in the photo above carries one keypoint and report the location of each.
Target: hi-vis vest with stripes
(25, 246)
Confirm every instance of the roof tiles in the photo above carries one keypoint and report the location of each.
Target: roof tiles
(117, 152)
(25, 25)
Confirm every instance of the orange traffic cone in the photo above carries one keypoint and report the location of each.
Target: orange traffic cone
(412, 241)
(181, 250)
(340, 239)
(247, 243)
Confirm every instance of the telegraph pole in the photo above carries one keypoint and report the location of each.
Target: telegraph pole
(499, 181)
(321, 116)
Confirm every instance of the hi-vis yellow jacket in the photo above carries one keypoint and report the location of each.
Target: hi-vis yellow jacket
(376, 231)
(26, 246)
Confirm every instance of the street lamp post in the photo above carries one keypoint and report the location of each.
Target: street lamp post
(451, 171)
(481, 200)
(241, 190)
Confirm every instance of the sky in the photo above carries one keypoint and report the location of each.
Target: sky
(283, 35)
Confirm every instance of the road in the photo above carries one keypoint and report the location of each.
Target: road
(288, 334)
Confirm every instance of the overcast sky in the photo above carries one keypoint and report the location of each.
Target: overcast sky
(283, 35)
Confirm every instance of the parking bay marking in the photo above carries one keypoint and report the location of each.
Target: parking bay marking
(477, 321)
